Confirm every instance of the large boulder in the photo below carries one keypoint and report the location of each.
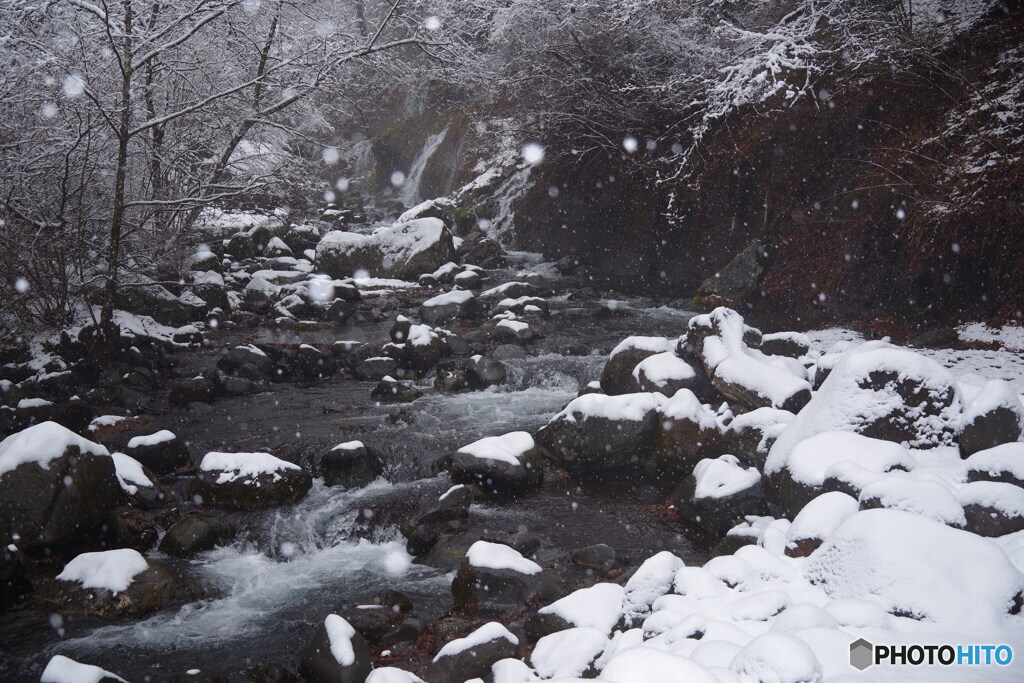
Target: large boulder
(112, 584)
(56, 488)
(336, 654)
(667, 373)
(189, 535)
(405, 250)
(1003, 463)
(830, 461)
(746, 375)
(598, 432)
(750, 436)
(499, 464)
(495, 578)
(351, 464)
(719, 494)
(914, 566)
(994, 417)
(162, 452)
(247, 481)
(883, 392)
(738, 282)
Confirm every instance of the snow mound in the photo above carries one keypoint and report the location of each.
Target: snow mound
(652, 580)
(821, 516)
(662, 368)
(487, 633)
(722, 477)
(152, 439)
(568, 653)
(914, 566)
(497, 556)
(634, 407)
(113, 570)
(921, 497)
(61, 669)
(779, 658)
(811, 461)
(41, 444)
(598, 607)
(651, 344)
(339, 634)
(508, 448)
(248, 466)
(130, 474)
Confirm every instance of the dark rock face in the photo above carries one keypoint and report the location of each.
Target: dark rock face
(617, 375)
(990, 429)
(66, 503)
(919, 402)
(319, 665)
(493, 590)
(498, 476)
(378, 616)
(393, 391)
(738, 282)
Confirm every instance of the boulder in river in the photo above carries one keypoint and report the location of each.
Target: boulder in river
(162, 452)
(390, 390)
(195, 390)
(689, 432)
(351, 464)
(189, 535)
(405, 250)
(472, 657)
(598, 432)
(336, 653)
(617, 375)
(458, 303)
(112, 584)
(56, 487)
(499, 464)
(247, 481)
(495, 578)
(718, 494)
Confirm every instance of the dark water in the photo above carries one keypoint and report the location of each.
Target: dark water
(276, 586)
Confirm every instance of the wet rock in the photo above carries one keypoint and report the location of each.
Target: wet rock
(514, 332)
(738, 282)
(487, 253)
(336, 654)
(383, 613)
(150, 586)
(469, 279)
(719, 494)
(247, 481)
(993, 418)
(424, 528)
(456, 346)
(239, 386)
(455, 304)
(451, 378)
(495, 578)
(408, 631)
(312, 363)
(351, 465)
(599, 557)
(597, 432)
(399, 332)
(271, 673)
(390, 390)
(420, 353)
(499, 464)
(162, 452)
(132, 529)
(485, 372)
(68, 500)
(508, 352)
(188, 536)
(195, 390)
(376, 368)
(472, 656)
(339, 311)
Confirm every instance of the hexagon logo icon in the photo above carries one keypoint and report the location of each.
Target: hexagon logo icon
(862, 654)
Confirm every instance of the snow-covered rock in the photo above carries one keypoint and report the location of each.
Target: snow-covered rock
(500, 464)
(1003, 463)
(597, 432)
(495, 577)
(817, 520)
(651, 580)
(249, 480)
(617, 375)
(55, 487)
(336, 652)
(162, 452)
(994, 416)
(750, 436)
(458, 303)
(402, 251)
(598, 607)
(472, 656)
(922, 497)
(992, 508)
(61, 669)
(569, 653)
(689, 432)
(719, 493)
(667, 373)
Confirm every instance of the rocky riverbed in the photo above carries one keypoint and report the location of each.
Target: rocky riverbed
(329, 474)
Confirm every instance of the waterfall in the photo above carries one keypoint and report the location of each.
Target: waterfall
(409, 193)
